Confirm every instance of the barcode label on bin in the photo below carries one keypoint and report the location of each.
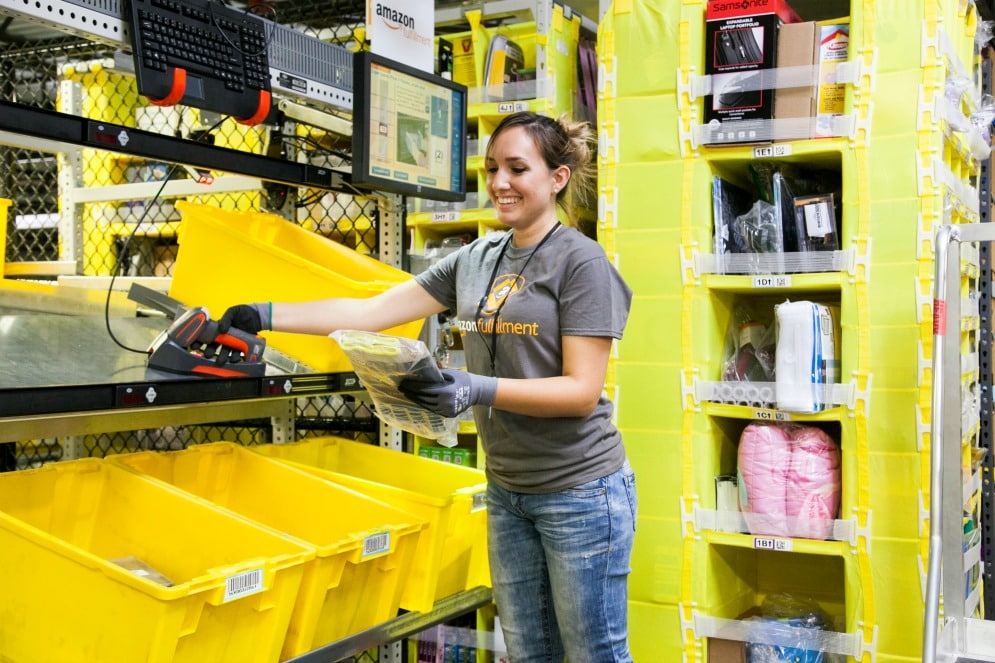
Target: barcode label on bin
(376, 544)
(479, 501)
(243, 584)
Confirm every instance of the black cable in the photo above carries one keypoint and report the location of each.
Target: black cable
(248, 10)
(123, 251)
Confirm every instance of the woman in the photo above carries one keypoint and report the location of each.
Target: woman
(538, 309)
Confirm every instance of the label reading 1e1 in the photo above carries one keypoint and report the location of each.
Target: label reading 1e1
(771, 281)
(770, 543)
(768, 151)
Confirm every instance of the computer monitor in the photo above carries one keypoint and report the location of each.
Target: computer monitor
(409, 130)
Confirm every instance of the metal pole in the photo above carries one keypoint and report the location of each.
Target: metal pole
(944, 236)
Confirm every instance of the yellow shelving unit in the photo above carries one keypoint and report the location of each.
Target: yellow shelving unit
(904, 169)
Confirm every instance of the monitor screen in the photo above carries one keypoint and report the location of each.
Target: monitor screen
(409, 130)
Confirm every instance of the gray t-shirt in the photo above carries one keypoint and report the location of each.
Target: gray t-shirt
(567, 287)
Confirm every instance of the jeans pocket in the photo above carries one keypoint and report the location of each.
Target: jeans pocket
(629, 479)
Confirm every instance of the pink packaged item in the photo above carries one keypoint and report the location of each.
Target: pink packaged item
(764, 461)
(789, 480)
(812, 498)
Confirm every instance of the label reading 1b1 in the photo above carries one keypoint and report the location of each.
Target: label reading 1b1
(771, 543)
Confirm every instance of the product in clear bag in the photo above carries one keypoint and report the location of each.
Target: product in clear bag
(750, 345)
(800, 642)
(382, 361)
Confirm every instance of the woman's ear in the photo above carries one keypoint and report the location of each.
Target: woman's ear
(561, 176)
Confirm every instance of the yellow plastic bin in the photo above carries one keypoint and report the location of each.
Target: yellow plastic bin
(62, 598)
(452, 554)
(227, 258)
(365, 548)
(4, 206)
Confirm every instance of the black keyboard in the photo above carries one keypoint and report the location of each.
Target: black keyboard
(203, 54)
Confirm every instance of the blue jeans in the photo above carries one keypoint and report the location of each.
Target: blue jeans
(560, 566)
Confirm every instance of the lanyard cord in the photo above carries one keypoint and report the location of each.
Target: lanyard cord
(492, 348)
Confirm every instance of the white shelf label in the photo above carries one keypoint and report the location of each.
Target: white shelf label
(445, 216)
(765, 414)
(512, 106)
(776, 281)
(768, 151)
(243, 584)
(376, 544)
(772, 543)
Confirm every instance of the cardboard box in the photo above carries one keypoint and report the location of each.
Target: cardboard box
(834, 48)
(797, 90)
(740, 44)
(726, 651)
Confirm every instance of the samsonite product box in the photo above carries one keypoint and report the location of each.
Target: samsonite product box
(740, 45)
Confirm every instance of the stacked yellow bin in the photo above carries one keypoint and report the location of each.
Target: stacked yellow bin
(904, 170)
(230, 257)
(364, 548)
(100, 564)
(451, 500)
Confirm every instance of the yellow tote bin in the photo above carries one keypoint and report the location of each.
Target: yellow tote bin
(4, 206)
(227, 258)
(365, 548)
(63, 599)
(452, 554)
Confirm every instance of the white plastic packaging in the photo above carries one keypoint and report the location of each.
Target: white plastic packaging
(381, 361)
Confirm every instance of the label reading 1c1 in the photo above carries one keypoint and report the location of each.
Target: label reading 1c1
(772, 281)
(771, 415)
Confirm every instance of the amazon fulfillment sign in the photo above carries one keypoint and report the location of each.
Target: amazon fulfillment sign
(402, 30)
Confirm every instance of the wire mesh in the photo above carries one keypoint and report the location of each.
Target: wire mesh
(43, 68)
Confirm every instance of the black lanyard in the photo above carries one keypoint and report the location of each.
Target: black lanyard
(492, 348)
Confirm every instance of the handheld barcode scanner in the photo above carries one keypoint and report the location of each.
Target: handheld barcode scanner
(193, 346)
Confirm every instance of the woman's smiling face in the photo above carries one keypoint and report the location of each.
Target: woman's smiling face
(519, 182)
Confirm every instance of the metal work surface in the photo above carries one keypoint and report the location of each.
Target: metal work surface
(56, 364)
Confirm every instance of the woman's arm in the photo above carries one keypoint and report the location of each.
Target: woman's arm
(573, 394)
(402, 303)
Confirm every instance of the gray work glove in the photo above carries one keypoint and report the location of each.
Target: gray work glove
(250, 318)
(457, 391)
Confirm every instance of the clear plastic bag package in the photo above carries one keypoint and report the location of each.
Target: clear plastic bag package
(381, 361)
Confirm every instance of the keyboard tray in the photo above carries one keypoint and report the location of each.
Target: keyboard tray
(203, 54)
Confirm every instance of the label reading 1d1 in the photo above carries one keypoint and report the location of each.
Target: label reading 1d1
(770, 543)
(768, 151)
(771, 281)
